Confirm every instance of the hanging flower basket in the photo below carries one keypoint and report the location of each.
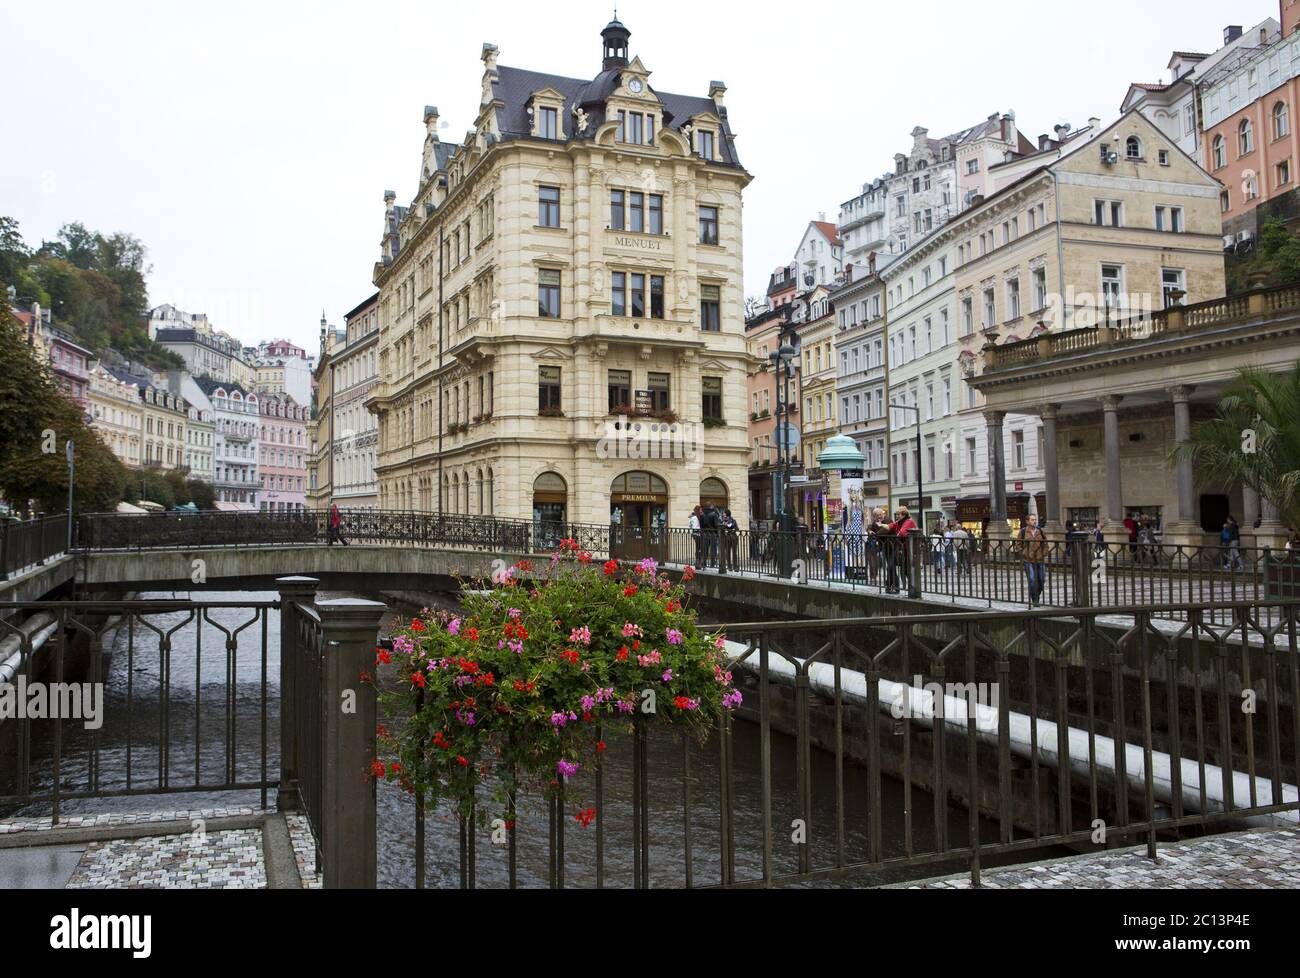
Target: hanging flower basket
(516, 686)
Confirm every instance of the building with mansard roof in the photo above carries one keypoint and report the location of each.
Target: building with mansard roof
(561, 306)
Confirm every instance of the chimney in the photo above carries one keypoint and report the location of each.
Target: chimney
(1044, 142)
(976, 200)
(848, 272)
(1094, 124)
(716, 92)
(871, 263)
(1231, 33)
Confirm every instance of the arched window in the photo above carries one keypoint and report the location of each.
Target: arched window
(1220, 152)
(550, 508)
(1245, 137)
(714, 491)
(1281, 121)
(1134, 148)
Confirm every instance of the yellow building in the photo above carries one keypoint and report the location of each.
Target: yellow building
(118, 414)
(818, 417)
(561, 307)
(1106, 231)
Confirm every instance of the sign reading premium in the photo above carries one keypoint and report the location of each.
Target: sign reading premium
(636, 242)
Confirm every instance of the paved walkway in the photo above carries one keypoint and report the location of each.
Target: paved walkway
(213, 849)
(1259, 860)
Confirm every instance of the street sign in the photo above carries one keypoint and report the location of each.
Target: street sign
(791, 436)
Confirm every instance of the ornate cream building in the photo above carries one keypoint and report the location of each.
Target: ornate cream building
(561, 306)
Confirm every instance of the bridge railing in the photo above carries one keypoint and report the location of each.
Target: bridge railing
(1075, 571)
(888, 749)
(160, 698)
(185, 709)
(30, 543)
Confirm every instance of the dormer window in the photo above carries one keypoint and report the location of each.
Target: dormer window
(704, 144)
(1133, 148)
(548, 122)
(636, 127)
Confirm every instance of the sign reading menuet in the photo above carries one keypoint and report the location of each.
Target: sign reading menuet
(637, 243)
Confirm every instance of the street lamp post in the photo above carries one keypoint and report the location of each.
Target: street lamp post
(782, 363)
(70, 450)
(914, 591)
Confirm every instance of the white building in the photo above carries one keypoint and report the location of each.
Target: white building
(924, 378)
(1173, 105)
(237, 417)
(930, 185)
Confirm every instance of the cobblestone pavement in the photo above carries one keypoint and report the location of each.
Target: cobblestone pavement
(131, 818)
(195, 859)
(229, 860)
(304, 850)
(1263, 860)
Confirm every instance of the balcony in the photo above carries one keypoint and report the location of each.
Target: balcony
(1179, 323)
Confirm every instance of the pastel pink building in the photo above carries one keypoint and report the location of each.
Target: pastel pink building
(282, 454)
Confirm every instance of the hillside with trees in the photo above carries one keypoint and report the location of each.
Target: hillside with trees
(93, 283)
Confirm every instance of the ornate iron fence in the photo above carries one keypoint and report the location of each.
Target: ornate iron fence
(187, 712)
(893, 748)
(29, 543)
(1074, 572)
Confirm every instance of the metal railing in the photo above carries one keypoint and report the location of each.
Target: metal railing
(189, 712)
(896, 748)
(1076, 572)
(30, 543)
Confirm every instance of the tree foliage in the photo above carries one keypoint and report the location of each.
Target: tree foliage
(38, 423)
(93, 283)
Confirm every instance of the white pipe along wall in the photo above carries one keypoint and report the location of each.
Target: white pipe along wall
(919, 704)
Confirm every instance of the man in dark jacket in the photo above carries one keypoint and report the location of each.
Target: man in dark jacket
(710, 525)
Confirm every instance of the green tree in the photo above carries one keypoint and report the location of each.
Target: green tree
(1276, 258)
(1254, 440)
(202, 494)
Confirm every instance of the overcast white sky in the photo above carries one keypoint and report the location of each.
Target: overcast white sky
(248, 144)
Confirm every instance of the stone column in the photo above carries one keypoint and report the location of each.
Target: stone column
(1051, 520)
(998, 529)
(1250, 512)
(1113, 515)
(1184, 529)
(349, 630)
(293, 592)
(1271, 532)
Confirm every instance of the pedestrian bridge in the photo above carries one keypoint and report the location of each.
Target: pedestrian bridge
(792, 575)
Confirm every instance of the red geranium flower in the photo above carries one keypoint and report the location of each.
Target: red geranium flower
(417, 678)
(417, 625)
(611, 568)
(377, 768)
(629, 591)
(384, 656)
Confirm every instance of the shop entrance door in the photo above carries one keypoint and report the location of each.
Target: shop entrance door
(638, 531)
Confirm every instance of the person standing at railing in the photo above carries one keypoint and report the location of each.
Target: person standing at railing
(1230, 540)
(900, 532)
(1032, 546)
(961, 549)
(693, 524)
(730, 540)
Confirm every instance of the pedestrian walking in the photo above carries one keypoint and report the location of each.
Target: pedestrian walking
(1032, 546)
(697, 534)
(336, 526)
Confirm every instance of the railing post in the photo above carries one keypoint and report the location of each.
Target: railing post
(293, 591)
(1083, 572)
(913, 545)
(350, 629)
(4, 551)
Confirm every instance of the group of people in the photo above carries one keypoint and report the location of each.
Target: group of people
(716, 535)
